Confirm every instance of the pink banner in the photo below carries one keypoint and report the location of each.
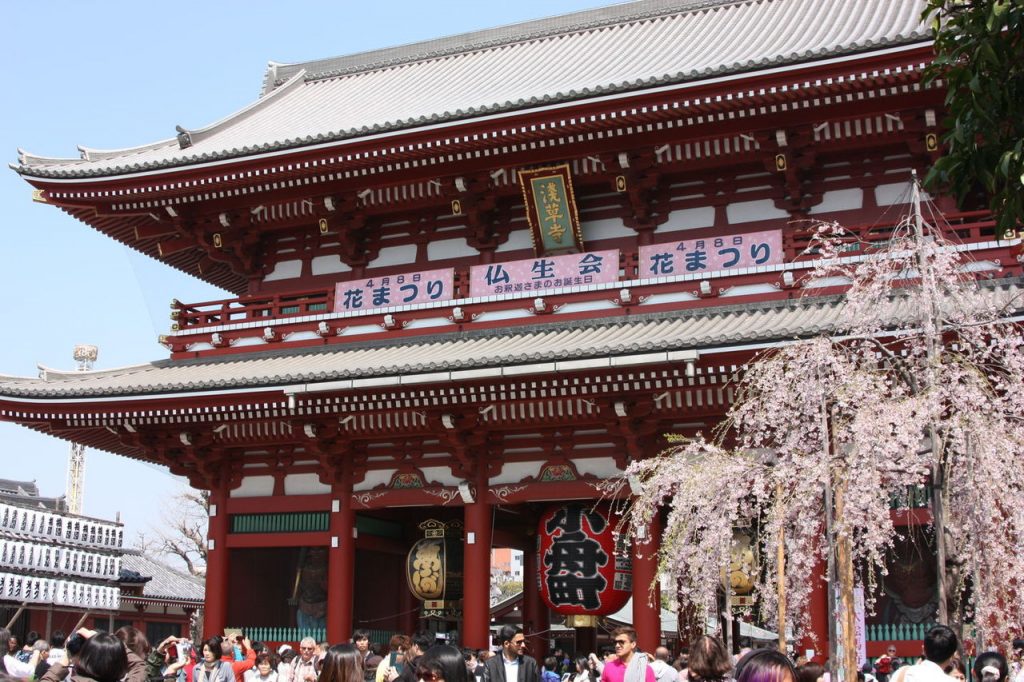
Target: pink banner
(708, 254)
(536, 274)
(394, 290)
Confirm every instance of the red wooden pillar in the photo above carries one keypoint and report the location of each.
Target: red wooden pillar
(216, 609)
(647, 603)
(536, 618)
(341, 558)
(817, 610)
(476, 579)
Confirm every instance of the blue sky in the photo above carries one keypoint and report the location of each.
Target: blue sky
(117, 74)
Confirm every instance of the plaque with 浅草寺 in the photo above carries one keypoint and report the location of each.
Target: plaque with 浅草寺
(551, 210)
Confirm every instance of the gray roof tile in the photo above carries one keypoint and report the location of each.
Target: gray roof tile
(657, 332)
(628, 47)
(165, 583)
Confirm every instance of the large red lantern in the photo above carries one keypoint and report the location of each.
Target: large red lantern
(580, 572)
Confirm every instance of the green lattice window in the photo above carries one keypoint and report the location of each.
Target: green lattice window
(292, 522)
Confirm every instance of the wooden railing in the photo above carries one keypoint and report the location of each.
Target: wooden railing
(960, 228)
(898, 633)
(292, 635)
(250, 308)
(964, 227)
(914, 497)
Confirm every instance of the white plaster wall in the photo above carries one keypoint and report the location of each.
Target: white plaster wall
(604, 229)
(584, 306)
(394, 255)
(374, 479)
(751, 211)
(674, 297)
(304, 484)
(516, 471)
(302, 336)
(508, 314)
(449, 248)
(248, 341)
(326, 265)
(442, 475)
(255, 486)
(428, 322)
(840, 200)
(895, 193)
(517, 240)
(829, 282)
(748, 289)
(286, 269)
(602, 467)
(688, 219)
(361, 329)
(979, 266)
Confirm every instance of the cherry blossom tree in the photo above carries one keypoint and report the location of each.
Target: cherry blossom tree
(921, 380)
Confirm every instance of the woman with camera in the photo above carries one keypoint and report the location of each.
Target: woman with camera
(100, 657)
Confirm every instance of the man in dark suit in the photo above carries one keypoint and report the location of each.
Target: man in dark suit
(511, 665)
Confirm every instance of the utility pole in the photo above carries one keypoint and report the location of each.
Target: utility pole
(85, 356)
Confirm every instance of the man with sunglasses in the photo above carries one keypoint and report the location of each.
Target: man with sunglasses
(628, 665)
(512, 665)
(305, 665)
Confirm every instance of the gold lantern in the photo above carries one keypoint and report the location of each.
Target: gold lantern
(434, 569)
(739, 578)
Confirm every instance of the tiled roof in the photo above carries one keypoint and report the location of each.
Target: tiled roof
(165, 582)
(485, 353)
(26, 494)
(36, 502)
(14, 487)
(628, 47)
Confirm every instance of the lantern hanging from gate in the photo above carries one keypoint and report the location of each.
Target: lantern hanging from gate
(434, 569)
(740, 575)
(581, 575)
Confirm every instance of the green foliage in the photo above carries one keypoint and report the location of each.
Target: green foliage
(979, 46)
(509, 588)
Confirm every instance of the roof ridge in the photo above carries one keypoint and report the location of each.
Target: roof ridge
(262, 102)
(475, 41)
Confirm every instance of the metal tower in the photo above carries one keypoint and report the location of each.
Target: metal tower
(84, 355)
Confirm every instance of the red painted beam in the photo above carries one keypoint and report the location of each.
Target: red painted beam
(315, 539)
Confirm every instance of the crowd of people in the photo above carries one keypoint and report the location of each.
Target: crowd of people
(126, 656)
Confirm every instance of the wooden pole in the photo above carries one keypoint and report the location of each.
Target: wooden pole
(934, 340)
(80, 622)
(844, 565)
(780, 565)
(827, 447)
(16, 616)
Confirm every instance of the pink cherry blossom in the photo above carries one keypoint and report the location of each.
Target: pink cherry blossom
(923, 348)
